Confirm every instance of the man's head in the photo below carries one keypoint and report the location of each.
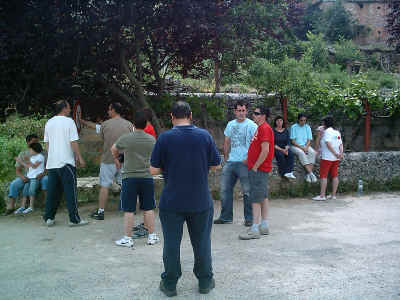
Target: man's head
(328, 121)
(114, 109)
(147, 112)
(140, 120)
(181, 110)
(301, 119)
(240, 110)
(36, 147)
(62, 107)
(261, 114)
(31, 138)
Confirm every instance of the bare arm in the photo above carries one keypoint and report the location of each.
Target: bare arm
(227, 148)
(317, 141)
(338, 155)
(78, 156)
(155, 171)
(115, 153)
(296, 145)
(21, 175)
(89, 124)
(263, 155)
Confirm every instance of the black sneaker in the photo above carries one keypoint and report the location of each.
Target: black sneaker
(208, 288)
(9, 211)
(167, 292)
(220, 221)
(97, 216)
(248, 223)
(141, 233)
(139, 227)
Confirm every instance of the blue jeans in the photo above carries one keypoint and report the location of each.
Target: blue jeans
(285, 163)
(231, 172)
(199, 225)
(18, 184)
(31, 187)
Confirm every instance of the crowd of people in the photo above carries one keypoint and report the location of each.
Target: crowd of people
(184, 155)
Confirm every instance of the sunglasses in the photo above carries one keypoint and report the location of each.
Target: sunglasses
(240, 110)
(257, 113)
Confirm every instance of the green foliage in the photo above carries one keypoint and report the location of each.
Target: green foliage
(9, 149)
(17, 126)
(346, 52)
(316, 51)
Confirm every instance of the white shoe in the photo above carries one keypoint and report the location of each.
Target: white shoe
(291, 176)
(125, 242)
(313, 177)
(19, 210)
(81, 223)
(28, 210)
(153, 239)
(50, 222)
(308, 178)
(331, 197)
(319, 198)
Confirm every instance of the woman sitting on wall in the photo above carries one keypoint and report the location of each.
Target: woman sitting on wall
(283, 154)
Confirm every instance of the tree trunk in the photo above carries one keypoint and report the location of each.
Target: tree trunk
(139, 88)
(217, 76)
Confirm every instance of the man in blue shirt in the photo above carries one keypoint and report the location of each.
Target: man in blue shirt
(184, 156)
(238, 134)
(301, 137)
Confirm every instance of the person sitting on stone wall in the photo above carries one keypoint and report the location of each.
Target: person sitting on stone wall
(18, 183)
(301, 137)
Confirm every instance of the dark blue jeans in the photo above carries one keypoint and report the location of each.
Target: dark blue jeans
(62, 180)
(231, 172)
(199, 226)
(285, 163)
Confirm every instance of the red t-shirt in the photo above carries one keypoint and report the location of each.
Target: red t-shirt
(150, 130)
(264, 133)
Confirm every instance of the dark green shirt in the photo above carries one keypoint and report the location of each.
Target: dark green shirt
(137, 147)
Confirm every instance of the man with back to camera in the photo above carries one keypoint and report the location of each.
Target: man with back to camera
(136, 179)
(184, 155)
(301, 137)
(259, 162)
(109, 131)
(61, 138)
(238, 134)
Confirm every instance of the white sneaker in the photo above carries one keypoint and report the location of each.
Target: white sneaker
(308, 178)
(81, 223)
(125, 242)
(331, 197)
(313, 177)
(319, 198)
(153, 239)
(28, 210)
(50, 222)
(19, 210)
(291, 176)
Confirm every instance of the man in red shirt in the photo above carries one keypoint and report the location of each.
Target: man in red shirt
(259, 162)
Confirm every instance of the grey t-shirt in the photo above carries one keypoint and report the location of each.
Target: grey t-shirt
(137, 147)
(110, 131)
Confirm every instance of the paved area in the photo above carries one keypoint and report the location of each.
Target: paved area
(343, 249)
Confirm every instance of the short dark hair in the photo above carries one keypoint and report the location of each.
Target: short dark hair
(301, 115)
(181, 110)
(279, 118)
(30, 137)
(148, 113)
(36, 147)
(117, 107)
(60, 105)
(264, 110)
(140, 120)
(328, 120)
(241, 103)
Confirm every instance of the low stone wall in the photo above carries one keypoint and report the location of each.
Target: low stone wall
(378, 170)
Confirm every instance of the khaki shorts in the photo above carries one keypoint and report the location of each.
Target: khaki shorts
(305, 159)
(109, 172)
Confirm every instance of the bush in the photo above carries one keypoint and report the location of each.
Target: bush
(17, 126)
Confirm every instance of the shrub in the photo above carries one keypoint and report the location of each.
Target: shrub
(17, 126)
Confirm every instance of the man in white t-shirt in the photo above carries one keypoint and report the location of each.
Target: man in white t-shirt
(331, 154)
(61, 138)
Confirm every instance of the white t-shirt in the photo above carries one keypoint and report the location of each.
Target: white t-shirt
(59, 132)
(335, 139)
(34, 172)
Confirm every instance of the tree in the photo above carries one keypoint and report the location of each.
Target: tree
(393, 24)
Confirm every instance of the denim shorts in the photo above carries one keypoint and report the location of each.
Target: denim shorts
(258, 186)
(108, 172)
(132, 188)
